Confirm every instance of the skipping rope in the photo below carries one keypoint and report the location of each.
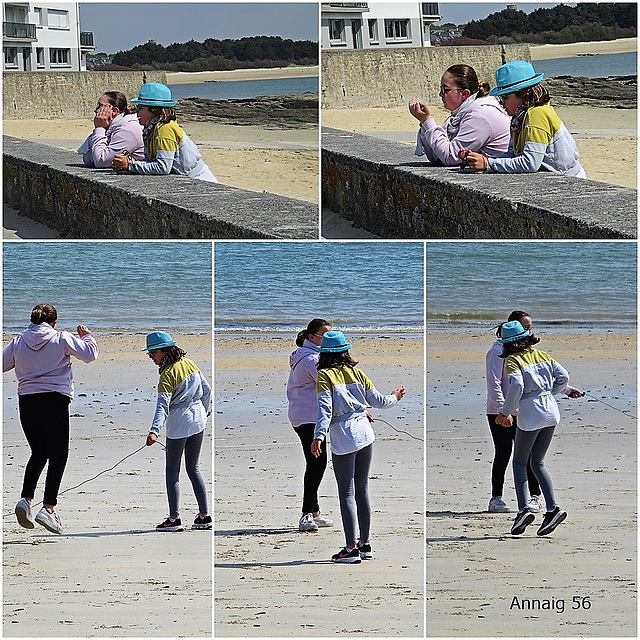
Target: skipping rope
(624, 411)
(11, 513)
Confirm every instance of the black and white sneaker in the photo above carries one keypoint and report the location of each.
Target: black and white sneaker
(522, 521)
(347, 555)
(365, 550)
(170, 525)
(551, 520)
(202, 523)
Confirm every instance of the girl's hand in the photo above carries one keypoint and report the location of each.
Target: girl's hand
(576, 393)
(504, 421)
(316, 449)
(476, 161)
(398, 393)
(83, 331)
(103, 117)
(120, 161)
(419, 110)
(151, 439)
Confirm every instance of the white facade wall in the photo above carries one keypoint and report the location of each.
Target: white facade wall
(380, 25)
(57, 31)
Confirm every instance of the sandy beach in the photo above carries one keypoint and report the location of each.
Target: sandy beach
(284, 162)
(475, 568)
(110, 574)
(606, 138)
(551, 51)
(270, 579)
(277, 73)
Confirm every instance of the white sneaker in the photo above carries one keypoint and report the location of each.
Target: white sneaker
(49, 521)
(307, 523)
(322, 521)
(536, 504)
(23, 513)
(497, 505)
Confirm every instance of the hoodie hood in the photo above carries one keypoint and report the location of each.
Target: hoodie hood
(307, 349)
(38, 335)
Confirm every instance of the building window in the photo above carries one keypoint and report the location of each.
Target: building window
(58, 19)
(40, 57)
(11, 57)
(336, 30)
(396, 29)
(373, 31)
(39, 16)
(59, 57)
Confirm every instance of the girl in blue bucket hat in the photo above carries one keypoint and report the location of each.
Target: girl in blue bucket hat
(182, 406)
(534, 377)
(344, 393)
(539, 139)
(168, 149)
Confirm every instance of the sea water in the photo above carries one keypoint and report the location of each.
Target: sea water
(369, 287)
(238, 89)
(598, 66)
(109, 285)
(567, 285)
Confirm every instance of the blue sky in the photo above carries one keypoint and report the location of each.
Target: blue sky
(121, 26)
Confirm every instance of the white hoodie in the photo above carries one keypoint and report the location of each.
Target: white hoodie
(41, 357)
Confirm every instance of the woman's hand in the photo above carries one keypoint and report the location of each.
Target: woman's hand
(398, 393)
(103, 117)
(504, 421)
(475, 161)
(152, 438)
(83, 331)
(316, 449)
(120, 161)
(419, 110)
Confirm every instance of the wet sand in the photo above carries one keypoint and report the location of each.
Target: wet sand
(110, 574)
(273, 581)
(475, 568)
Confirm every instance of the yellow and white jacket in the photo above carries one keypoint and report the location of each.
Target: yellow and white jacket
(183, 400)
(542, 143)
(534, 377)
(344, 394)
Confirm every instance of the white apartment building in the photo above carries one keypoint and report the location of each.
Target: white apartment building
(44, 36)
(374, 25)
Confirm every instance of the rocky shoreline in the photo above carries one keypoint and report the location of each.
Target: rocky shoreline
(618, 92)
(272, 112)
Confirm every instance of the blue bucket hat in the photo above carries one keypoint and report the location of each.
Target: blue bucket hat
(334, 342)
(159, 340)
(512, 331)
(154, 94)
(513, 76)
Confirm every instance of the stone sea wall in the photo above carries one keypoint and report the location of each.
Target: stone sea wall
(391, 77)
(381, 187)
(53, 187)
(70, 94)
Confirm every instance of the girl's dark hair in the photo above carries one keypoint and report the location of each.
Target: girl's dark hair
(44, 313)
(312, 327)
(534, 96)
(162, 114)
(466, 78)
(172, 355)
(119, 100)
(341, 359)
(509, 348)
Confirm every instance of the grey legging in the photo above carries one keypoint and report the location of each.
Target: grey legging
(352, 476)
(532, 446)
(191, 447)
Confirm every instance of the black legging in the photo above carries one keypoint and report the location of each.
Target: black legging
(45, 421)
(503, 438)
(314, 470)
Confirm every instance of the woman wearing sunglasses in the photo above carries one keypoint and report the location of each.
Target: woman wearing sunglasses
(477, 121)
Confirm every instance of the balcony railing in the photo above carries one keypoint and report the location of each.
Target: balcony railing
(346, 5)
(86, 38)
(19, 30)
